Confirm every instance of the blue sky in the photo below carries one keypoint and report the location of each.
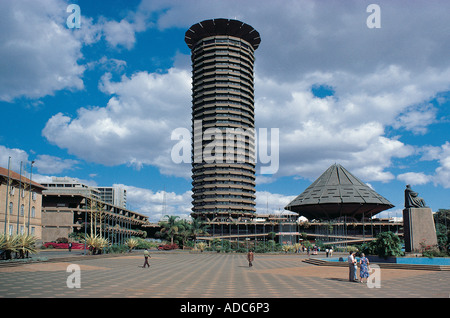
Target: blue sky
(99, 103)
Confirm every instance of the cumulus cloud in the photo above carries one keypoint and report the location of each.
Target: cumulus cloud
(442, 155)
(441, 176)
(43, 163)
(14, 156)
(134, 127)
(53, 165)
(379, 78)
(120, 33)
(157, 204)
(271, 203)
(414, 178)
(38, 53)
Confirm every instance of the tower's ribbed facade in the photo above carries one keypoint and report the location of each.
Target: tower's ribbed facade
(223, 145)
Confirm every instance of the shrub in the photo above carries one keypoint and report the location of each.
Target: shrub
(62, 240)
(387, 244)
(75, 246)
(168, 247)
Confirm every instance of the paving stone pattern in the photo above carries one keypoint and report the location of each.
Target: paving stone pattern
(211, 275)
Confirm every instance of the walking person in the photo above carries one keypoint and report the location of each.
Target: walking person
(363, 268)
(250, 258)
(146, 256)
(70, 247)
(352, 267)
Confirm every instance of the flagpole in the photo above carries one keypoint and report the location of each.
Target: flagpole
(7, 198)
(29, 198)
(18, 201)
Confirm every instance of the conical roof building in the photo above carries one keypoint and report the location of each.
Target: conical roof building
(338, 193)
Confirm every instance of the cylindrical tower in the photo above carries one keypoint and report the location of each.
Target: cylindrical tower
(223, 145)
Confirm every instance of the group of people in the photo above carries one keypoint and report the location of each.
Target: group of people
(352, 263)
(250, 258)
(353, 267)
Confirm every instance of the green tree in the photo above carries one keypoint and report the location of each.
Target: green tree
(170, 227)
(442, 224)
(387, 244)
(184, 231)
(197, 228)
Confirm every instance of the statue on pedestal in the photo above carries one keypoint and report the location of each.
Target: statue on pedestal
(412, 200)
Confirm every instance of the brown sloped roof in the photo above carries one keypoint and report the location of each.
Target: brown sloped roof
(16, 176)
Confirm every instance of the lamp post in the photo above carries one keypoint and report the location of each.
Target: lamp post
(29, 198)
(18, 204)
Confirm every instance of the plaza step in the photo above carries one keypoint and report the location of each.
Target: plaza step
(321, 262)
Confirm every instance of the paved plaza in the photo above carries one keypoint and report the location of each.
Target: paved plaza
(210, 275)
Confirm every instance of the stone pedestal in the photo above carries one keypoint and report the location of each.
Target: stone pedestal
(418, 227)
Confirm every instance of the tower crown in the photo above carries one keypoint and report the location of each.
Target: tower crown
(215, 27)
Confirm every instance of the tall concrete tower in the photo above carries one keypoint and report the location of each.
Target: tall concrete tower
(223, 145)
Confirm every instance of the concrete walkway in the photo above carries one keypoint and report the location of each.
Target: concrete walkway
(210, 275)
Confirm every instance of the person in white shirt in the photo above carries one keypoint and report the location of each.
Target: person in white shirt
(352, 267)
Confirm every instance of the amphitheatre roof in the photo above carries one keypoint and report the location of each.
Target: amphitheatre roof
(338, 193)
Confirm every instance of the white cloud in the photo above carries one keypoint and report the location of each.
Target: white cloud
(441, 176)
(414, 178)
(38, 53)
(45, 164)
(417, 119)
(119, 33)
(17, 155)
(53, 165)
(135, 126)
(442, 173)
(316, 132)
(381, 78)
(158, 204)
(271, 203)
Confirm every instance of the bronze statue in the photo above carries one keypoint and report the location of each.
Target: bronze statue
(412, 200)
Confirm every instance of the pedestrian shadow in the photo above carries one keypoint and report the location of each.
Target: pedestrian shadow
(338, 279)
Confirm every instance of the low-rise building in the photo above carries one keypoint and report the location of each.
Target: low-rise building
(20, 204)
(69, 206)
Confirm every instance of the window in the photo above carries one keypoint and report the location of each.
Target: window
(33, 212)
(22, 210)
(11, 206)
(11, 229)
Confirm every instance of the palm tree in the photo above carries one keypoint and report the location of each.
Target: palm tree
(185, 231)
(170, 227)
(198, 228)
